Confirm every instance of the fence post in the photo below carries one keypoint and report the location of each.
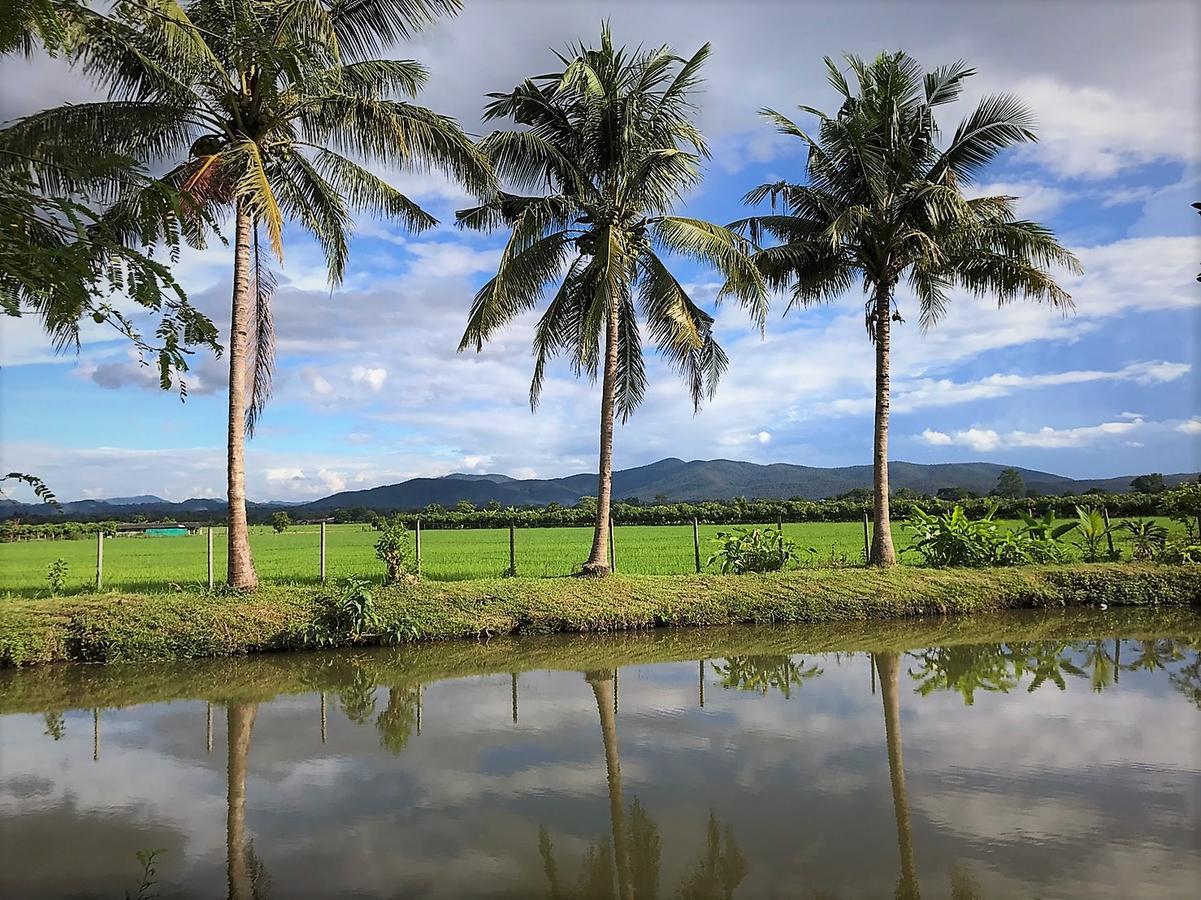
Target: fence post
(99, 558)
(867, 543)
(612, 549)
(701, 682)
(209, 535)
(322, 567)
(1108, 531)
(417, 544)
(696, 544)
(513, 557)
(208, 728)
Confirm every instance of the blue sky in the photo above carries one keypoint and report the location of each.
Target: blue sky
(370, 390)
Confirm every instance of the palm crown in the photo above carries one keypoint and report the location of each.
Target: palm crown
(883, 201)
(611, 138)
(266, 107)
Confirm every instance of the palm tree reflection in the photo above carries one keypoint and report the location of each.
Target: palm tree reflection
(888, 665)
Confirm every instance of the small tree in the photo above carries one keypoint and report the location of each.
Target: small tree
(951, 493)
(280, 521)
(1148, 484)
(392, 548)
(1010, 484)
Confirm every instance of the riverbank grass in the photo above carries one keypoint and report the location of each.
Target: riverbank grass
(115, 627)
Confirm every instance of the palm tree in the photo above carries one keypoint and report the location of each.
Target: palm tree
(259, 108)
(611, 141)
(883, 202)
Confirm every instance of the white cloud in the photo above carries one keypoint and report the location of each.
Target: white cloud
(316, 382)
(1092, 132)
(1034, 200)
(921, 393)
(373, 378)
(1046, 437)
(1192, 426)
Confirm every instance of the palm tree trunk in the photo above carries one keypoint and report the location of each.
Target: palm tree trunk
(889, 665)
(240, 721)
(241, 574)
(882, 553)
(598, 559)
(602, 688)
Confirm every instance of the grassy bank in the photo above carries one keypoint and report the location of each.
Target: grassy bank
(189, 624)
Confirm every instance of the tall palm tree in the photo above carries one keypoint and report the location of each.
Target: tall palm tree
(883, 202)
(271, 111)
(610, 139)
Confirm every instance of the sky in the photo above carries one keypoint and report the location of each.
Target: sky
(370, 390)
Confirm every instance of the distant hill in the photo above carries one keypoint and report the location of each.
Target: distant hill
(718, 479)
(675, 479)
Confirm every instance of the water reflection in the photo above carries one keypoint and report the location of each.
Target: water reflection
(968, 777)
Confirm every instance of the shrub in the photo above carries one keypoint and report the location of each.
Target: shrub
(742, 550)
(392, 548)
(280, 521)
(954, 539)
(56, 576)
(346, 616)
(1147, 537)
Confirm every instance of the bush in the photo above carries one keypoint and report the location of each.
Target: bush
(280, 521)
(392, 548)
(1147, 538)
(744, 550)
(348, 616)
(56, 576)
(954, 539)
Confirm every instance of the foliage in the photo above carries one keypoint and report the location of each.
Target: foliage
(395, 723)
(743, 550)
(1010, 484)
(954, 539)
(40, 490)
(62, 257)
(347, 616)
(1147, 537)
(280, 521)
(392, 548)
(765, 673)
(1148, 484)
(56, 576)
(1094, 533)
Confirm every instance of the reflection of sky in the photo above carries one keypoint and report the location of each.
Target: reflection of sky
(1051, 793)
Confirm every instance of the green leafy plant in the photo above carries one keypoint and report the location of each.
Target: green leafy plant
(56, 576)
(954, 539)
(392, 548)
(742, 550)
(281, 522)
(347, 616)
(1147, 537)
(1094, 532)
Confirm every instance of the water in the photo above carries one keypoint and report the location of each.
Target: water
(849, 761)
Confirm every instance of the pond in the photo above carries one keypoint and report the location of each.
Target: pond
(1049, 754)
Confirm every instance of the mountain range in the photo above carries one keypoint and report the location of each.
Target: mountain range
(674, 479)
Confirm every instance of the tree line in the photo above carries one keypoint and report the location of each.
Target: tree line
(276, 112)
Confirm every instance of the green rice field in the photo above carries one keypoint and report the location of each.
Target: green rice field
(138, 563)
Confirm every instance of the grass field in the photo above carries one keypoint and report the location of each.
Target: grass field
(155, 563)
